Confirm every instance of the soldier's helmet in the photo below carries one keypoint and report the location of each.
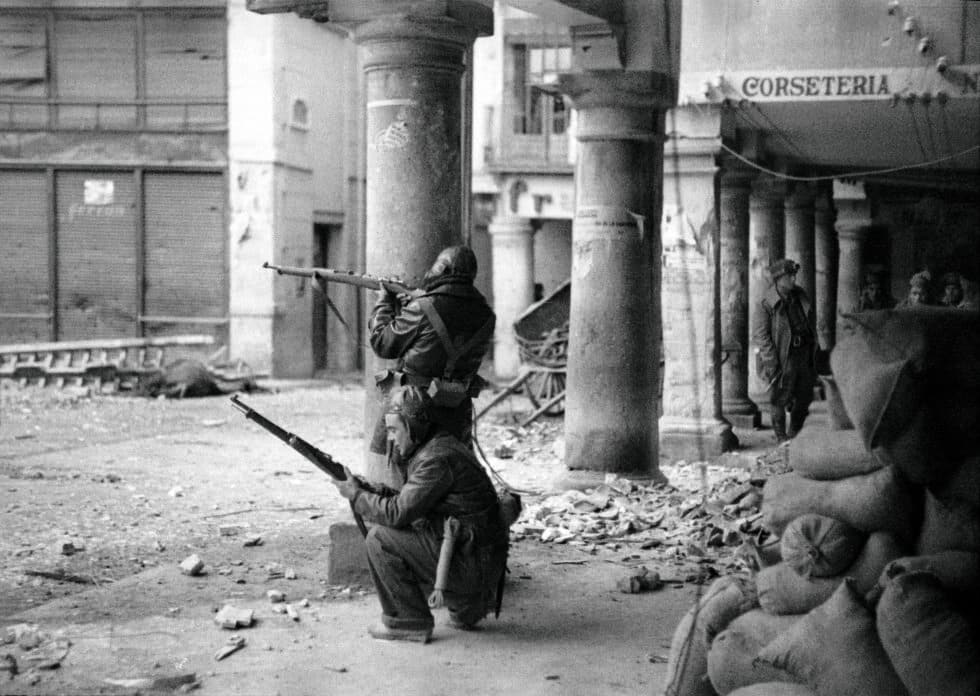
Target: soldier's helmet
(455, 262)
(412, 404)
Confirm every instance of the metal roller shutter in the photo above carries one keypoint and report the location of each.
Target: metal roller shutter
(186, 277)
(25, 302)
(97, 267)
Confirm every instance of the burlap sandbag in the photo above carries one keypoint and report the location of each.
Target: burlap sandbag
(835, 650)
(930, 644)
(820, 546)
(910, 381)
(836, 410)
(783, 591)
(774, 689)
(731, 657)
(879, 501)
(828, 455)
(687, 666)
(952, 511)
(957, 571)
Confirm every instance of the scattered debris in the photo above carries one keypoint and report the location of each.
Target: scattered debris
(192, 565)
(233, 644)
(276, 596)
(253, 540)
(643, 581)
(293, 614)
(26, 636)
(70, 548)
(699, 520)
(176, 492)
(339, 670)
(48, 655)
(289, 574)
(233, 617)
(231, 529)
(62, 575)
(8, 664)
(503, 452)
(176, 682)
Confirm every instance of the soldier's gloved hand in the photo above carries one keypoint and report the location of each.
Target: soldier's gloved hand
(350, 487)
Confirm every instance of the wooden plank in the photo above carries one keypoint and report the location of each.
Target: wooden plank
(67, 346)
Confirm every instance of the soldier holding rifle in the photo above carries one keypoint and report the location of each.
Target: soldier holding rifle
(439, 335)
(441, 531)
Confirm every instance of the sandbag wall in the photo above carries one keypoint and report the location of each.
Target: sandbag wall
(873, 589)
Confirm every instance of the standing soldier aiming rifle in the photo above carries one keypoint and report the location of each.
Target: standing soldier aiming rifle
(439, 335)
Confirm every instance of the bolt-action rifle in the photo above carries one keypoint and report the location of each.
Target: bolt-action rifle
(320, 459)
(361, 280)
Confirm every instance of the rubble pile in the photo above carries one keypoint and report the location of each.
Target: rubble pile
(675, 524)
(871, 585)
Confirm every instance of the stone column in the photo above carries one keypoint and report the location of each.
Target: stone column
(412, 69)
(692, 427)
(512, 248)
(734, 293)
(614, 331)
(799, 235)
(853, 221)
(825, 280)
(767, 223)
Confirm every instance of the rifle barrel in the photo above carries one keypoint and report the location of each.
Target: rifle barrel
(361, 280)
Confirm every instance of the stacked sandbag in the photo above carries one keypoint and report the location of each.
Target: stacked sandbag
(878, 528)
(910, 381)
(687, 667)
(929, 640)
(783, 590)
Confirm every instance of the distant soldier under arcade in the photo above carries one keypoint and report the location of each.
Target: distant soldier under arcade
(785, 336)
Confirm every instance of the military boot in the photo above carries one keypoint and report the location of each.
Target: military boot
(778, 417)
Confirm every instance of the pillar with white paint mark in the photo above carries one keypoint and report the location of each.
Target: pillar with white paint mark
(614, 331)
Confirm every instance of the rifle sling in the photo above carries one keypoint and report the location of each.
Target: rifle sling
(453, 354)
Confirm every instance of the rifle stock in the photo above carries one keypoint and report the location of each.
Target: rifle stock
(361, 280)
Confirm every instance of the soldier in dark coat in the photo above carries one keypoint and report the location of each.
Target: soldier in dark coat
(440, 532)
(442, 334)
(785, 337)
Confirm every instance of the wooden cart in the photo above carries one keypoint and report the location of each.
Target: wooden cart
(542, 341)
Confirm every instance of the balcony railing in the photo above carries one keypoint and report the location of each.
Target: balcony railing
(47, 114)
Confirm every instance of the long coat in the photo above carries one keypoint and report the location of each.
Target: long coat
(773, 335)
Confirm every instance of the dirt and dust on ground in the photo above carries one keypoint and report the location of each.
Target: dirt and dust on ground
(104, 496)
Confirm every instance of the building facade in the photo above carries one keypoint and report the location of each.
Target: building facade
(148, 152)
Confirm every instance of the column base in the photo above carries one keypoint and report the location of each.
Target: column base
(583, 479)
(741, 413)
(694, 439)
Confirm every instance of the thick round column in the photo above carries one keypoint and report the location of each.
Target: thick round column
(512, 249)
(734, 292)
(825, 247)
(850, 239)
(799, 235)
(614, 332)
(412, 69)
(766, 245)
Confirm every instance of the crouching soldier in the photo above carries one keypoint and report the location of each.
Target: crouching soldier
(439, 539)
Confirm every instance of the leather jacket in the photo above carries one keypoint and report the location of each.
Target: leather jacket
(442, 479)
(405, 333)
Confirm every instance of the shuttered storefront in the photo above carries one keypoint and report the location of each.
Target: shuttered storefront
(185, 272)
(24, 271)
(97, 264)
